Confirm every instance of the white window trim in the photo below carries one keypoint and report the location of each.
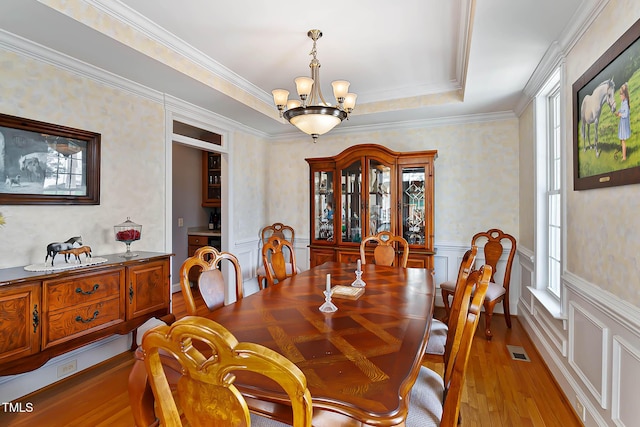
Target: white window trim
(552, 302)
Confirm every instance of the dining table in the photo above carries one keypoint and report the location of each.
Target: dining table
(360, 361)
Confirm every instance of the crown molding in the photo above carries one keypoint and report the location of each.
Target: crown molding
(409, 124)
(29, 49)
(13, 43)
(123, 13)
(556, 53)
(467, 17)
(185, 108)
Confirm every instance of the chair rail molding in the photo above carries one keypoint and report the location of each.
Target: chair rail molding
(618, 309)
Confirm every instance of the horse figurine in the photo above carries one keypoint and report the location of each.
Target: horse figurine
(591, 109)
(55, 248)
(76, 252)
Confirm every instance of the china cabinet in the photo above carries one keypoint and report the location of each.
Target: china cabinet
(211, 179)
(366, 189)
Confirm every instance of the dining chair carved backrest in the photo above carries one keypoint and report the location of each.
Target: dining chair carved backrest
(467, 326)
(211, 283)
(441, 333)
(385, 253)
(435, 400)
(494, 241)
(205, 394)
(283, 231)
(275, 254)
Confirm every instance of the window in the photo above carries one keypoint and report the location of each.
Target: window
(554, 198)
(549, 187)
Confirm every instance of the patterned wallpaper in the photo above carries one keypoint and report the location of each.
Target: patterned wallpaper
(603, 225)
(476, 175)
(132, 159)
(250, 195)
(527, 179)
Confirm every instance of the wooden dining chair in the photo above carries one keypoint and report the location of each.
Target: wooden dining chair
(494, 241)
(210, 283)
(435, 400)
(384, 252)
(283, 231)
(277, 263)
(205, 394)
(441, 333)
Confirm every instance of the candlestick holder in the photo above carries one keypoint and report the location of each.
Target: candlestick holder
(358, 283)
(328, 306)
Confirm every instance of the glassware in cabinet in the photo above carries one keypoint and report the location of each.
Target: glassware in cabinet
(323, 206)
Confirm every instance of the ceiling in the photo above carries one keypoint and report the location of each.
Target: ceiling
(413, 60)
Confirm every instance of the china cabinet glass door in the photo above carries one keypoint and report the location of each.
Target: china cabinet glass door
(324, 205)
(413, 204)
(379, 203)
(351, 203)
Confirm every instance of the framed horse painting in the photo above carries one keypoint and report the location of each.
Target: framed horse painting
(606, 117)
(47, 164)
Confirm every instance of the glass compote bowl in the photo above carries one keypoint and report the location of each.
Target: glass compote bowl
(126, 233)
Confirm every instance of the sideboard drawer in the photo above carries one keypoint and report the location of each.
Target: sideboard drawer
(63, 325)
(60, 294)
(198, 240)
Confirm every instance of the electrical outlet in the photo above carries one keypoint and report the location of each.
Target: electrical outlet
(580, 409)
(180, 222)
(67, 368)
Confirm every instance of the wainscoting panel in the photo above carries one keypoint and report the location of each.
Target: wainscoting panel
(588, 350)
(592, 347)
(551, 330)
(625, 410)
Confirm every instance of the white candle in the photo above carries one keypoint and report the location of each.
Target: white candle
(359, 265)
(328, 282)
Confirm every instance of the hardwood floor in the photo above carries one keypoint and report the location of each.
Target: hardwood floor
(499, 391)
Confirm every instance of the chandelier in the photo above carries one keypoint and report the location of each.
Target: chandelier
(312, 114)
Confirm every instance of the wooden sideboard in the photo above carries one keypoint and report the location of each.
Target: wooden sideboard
(45, 314)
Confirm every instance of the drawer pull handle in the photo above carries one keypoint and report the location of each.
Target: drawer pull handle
(95, 315)
(36, 318)
(95, 288)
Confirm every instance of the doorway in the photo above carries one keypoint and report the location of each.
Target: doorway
(188, 141)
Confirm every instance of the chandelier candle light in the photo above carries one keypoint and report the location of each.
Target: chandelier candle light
(312, 114)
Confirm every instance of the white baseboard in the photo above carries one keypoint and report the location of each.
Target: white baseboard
(15, 386)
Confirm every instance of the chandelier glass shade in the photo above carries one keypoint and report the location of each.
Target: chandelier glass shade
(312, 114)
